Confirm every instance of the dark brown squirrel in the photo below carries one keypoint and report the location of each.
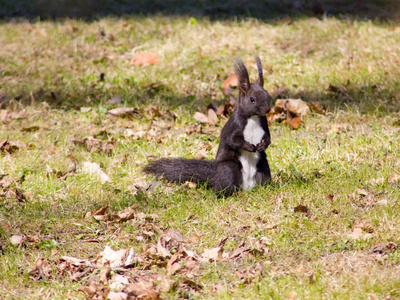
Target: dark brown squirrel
(241, 161)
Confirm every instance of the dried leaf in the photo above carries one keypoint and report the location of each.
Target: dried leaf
(117, 259)
(198, 116)
(214, 253)
(17, 240)
(212, 116)
(161, 250)
(144, 59)
(143, 290)
(294, 107)
(30, 129)
(76, 261)
(118, 282)
(123, 112)
(95, 170)
(117, 296)
(85, 109)
(230, 81)
(295, 122)
(104, 275)
(173, 265)
(127, 214)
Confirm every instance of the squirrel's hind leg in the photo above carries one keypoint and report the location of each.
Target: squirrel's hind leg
(263, 174)
(227, 178)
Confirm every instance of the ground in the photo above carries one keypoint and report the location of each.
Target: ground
(326, 228)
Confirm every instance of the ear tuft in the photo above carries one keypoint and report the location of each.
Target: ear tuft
(260, 80)
(243, 76)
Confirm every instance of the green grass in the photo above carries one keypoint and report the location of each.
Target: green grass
(48, 70)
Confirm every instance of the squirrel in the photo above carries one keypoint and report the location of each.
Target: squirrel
(241, 161)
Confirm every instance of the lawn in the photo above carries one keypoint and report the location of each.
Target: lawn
(71, 184)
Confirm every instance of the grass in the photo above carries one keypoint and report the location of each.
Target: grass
(51, 69)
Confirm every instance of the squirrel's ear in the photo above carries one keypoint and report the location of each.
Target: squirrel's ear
(242, 75)
(260, 80)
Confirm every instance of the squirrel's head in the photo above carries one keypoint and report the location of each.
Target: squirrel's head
(253, 100)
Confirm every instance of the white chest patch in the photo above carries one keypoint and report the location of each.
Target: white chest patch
(253, 133)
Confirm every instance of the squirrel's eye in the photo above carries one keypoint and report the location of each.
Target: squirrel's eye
(252, 99)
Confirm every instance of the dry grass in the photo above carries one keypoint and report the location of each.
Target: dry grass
(48, 70)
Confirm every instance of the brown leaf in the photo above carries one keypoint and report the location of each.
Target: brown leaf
(191, 268)
(127, 214)
(384, 248)
(122, 258)
(96, 145)
(316, 107)
(362, 229)
(212, 116)
(294, 107)
(117, 296)
(123, 112)
(229, 82)
(214, 253)
(85, 109)
(143, 290)
(198, 116)
(17, 240)
(11, 146)
(76, 261)
(104, 275)
(295, 122)
(144, 59)
(173, 265)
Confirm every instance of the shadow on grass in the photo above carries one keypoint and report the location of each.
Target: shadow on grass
(221, 10)
(365, 99)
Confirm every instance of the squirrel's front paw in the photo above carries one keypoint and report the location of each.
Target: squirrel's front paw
(261, 146)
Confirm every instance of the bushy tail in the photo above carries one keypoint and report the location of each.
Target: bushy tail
(181, 170)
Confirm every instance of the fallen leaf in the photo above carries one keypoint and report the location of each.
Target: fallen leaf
(104, 275)
(232, 81)
(229, 82)
(143, 290)
(96, 145)
(294, 107)
(85, 109)
(362, 229)
(198, 116)
(17, 240)
(117, 296)
(191, 185)
(127, 214)
(212, 116)
(144, 59)
(316, 107)
(384, 248)
(95, 170)
(122, 258)
(214, 253)
(118, 282)
(76, 261)
(295, 122)
(123, 112)
(173, 265)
